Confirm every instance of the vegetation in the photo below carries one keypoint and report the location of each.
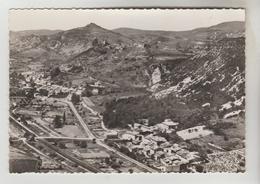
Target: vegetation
(75, 99)
(121, 113)
(57, 123)
(64, 117)
(55, 72)
(83, 144)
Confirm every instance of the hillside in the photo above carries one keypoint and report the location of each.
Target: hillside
(60, 47)
(225, 27)
(207, 86)
(215, 77)
(199, 68)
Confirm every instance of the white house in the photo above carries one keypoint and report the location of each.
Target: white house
(112, 135)
(167, 126)
(128, 136)
(156, 139)
(132, 136)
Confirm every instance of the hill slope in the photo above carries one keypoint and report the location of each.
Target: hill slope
(200, 67)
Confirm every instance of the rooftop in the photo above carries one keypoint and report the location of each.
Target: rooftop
(169, 122)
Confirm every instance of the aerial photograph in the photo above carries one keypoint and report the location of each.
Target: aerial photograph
(127, 91)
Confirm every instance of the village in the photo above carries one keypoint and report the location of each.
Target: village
(62, 114)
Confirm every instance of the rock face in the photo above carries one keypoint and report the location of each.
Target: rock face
(156, 76)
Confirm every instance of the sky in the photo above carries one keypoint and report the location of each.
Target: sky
(153, 19)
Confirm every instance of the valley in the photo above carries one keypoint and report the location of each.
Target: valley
(141, 100)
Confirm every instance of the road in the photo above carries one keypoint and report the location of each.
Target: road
(88, 103)
(101, 143)
(22, 126)
(81, 121)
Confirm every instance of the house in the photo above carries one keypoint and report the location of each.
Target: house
(112, 135)
(129, 136)
(144, 121)
(146, 142)
(192, 156)
(148, 151)
(95, 91)
(146, 130)
(194, 132)
(134, 148)
(159, 155)
(137, 126)
(169, 150)
(171, 164)
(96, 88)
(165, 145)
(167, 126)
(156, 139)
(176, 147)
(138, 139)
(142, 128)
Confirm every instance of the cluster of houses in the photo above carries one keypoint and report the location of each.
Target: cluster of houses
(157, 151)
(142, 138)
(46, 88)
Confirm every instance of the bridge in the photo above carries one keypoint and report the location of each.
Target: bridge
(64, 138)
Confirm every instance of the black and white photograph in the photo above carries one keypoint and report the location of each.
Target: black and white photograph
(127, 91)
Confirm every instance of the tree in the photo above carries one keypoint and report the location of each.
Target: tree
(75, 99)
(83, 144)
(55, 72)
(130, 170)
(120, 162)
(57, 122)
(32, 83)
(115, 165)
(107, 161)
(199, 168)
(87, 92)
(94, 141)
(62, 145)
(64, 117)
(30, 94)
(178, 46)
(226, 138)
(44, 92)
(95, 42)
